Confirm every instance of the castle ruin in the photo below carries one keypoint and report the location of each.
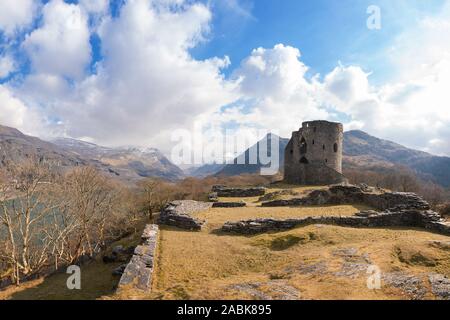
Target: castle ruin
(313, 156)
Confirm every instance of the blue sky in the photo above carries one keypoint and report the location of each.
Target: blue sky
(325, 31)
(131, 71)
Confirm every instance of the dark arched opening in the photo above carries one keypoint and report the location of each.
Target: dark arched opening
(304, 160)
(303, 146)
(335, 147)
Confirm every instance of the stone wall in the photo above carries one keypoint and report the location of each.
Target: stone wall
(229, 204)
(178, 214)
(139, 271)
(228, 192)
(405, 218)
(348, 194)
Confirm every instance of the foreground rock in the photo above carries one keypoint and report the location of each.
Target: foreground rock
(178, 214)
(137, 275)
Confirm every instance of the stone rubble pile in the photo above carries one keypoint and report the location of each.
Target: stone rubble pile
(178, 214)
(138, 273)
(223, 191)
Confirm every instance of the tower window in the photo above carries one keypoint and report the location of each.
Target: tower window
(292, 151)
(326, 160)
(314, 142)
(335, 147)
(323, 147)
(304, 160)
(303, 146)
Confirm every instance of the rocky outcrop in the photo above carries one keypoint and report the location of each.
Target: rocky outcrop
(138, 273)
(229, 204)
(402, 218)
(178, 214)
(227, 192)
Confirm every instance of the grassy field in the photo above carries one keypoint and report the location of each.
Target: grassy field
(304, 263)
(207, 265)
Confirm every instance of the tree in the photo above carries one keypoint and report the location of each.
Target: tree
(24, 210)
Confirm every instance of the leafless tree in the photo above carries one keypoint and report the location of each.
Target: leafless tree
(24, 210)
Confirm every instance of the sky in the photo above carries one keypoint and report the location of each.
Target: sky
(132, 72)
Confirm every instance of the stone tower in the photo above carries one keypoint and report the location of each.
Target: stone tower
(313, 156)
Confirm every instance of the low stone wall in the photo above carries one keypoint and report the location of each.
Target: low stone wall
(138, 273)
(229, 204)
(178, 214)
(341, 194)
(404, 218)
(228, 192)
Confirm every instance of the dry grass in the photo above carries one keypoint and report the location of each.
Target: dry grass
(213, 265)
(216, 217)
(206, 265)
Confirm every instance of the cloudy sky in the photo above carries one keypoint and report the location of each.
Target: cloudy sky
(129, 72)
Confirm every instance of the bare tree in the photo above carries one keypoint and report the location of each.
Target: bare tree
(24, 210)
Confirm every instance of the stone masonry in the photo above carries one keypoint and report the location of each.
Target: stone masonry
(138, 273)
(313, 156)
(222, 191)
(178, 214)
(396, 209)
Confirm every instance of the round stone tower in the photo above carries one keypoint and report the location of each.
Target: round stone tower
(314, 154)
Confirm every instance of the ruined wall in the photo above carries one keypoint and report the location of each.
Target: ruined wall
(178, 214)
(139, 271)
(405, 218)
(313, 156)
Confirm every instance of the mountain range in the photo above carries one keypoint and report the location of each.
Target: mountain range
(126, 163)
(361, 151)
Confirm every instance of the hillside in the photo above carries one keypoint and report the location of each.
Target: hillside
(16, 146)
(363, 151)
(236, 169)
(127, 164)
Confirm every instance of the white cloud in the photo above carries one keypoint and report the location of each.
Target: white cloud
(61, 45)
(95, 6)
(7, 66)
(148, 84)
(14, 113)
(16, 14)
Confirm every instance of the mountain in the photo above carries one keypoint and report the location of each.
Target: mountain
(127, 164)
(366, 152)
(204, 171)
(362, 150)
(236, 169)
(15, 146)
